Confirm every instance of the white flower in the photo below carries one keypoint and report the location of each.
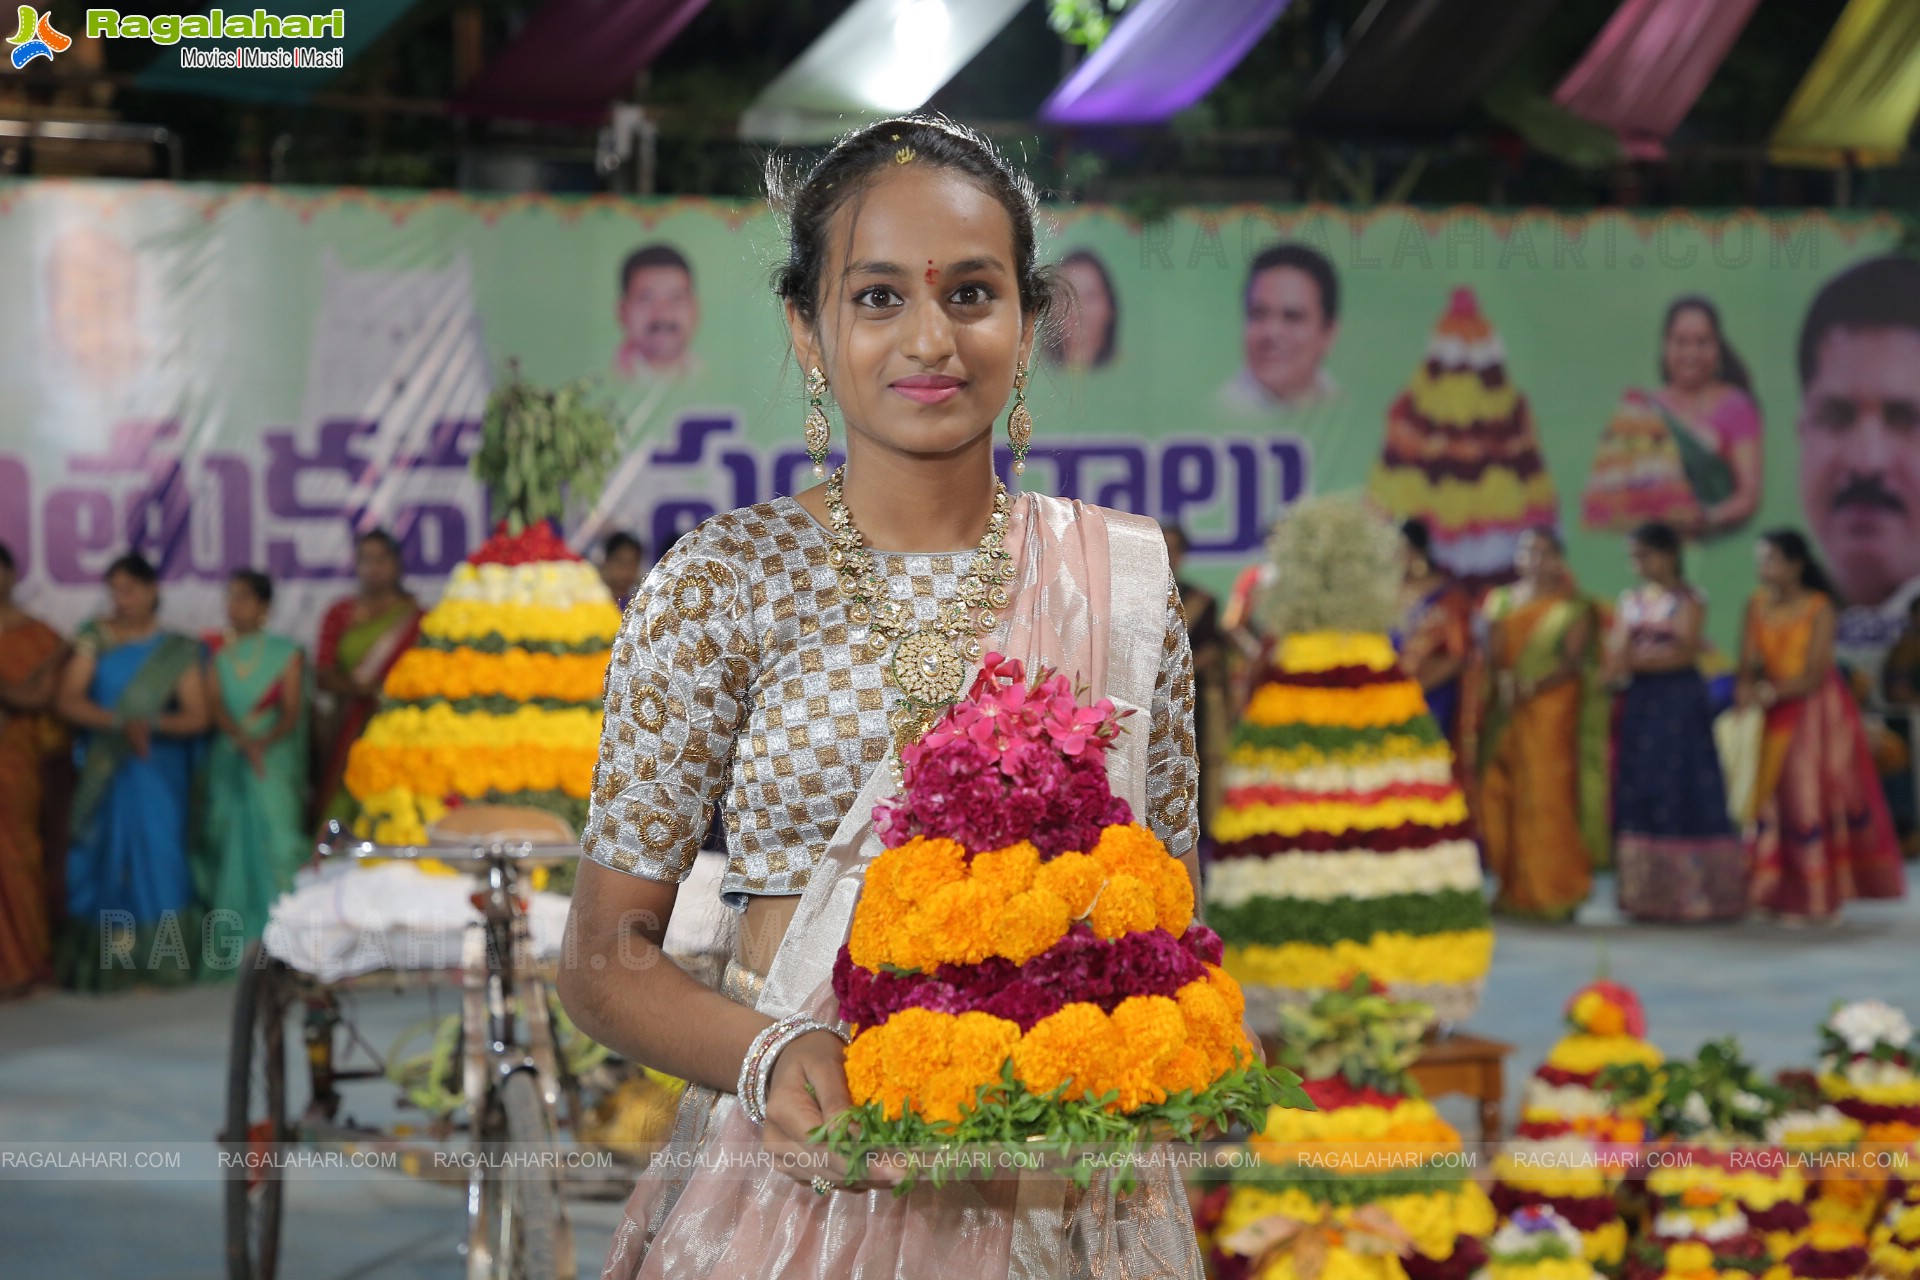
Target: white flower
(1866, 1073)
(1751, 1104)
(1695, 1112)
(1866, 1023)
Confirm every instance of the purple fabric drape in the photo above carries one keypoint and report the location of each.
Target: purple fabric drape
(1645, 70)
(574, 57)
(1161, 58)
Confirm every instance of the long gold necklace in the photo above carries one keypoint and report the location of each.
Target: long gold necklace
(928, 666)
(245, 670)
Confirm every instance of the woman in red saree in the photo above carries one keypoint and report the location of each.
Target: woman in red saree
(30, 657)
(1819, 828)
(360, 640)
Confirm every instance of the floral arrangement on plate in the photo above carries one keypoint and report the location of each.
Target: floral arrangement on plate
(1536, 1244)
(1870, 1068)
(1343, 840)
(1023, 963)
(500, 700)
(1367, 1185)
(1559, 1159)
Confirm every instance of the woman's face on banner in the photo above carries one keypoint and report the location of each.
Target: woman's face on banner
(1692, 350)
(1089, 314)
(919, 328)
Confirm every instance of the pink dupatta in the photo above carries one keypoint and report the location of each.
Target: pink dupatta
(1091, 601)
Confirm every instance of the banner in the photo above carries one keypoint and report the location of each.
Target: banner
(226, 377)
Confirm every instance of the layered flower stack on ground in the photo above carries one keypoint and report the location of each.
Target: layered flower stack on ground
(501, 698)
(1462, 452)
(1868, 1060)
(1637, 472)
(1893, 1249)
(1022, 936)
(1343, 844)
(1559, 1157)
(1371, 1186)
(1537, 1244)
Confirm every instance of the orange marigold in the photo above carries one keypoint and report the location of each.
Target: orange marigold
(1029, 924)
(1131, 848)
(1125, 906)
(1229, 991)
(926, 866)
(1071, 1046)
(1006, 871)
(870, 940)
(1173, 896)
(1152, 1028)
(1212, 1026)
(1187, 1070)
(956, 923)
(863, 1066)
(1075, 878)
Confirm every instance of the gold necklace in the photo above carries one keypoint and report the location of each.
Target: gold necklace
(245, 670)
(927, 666)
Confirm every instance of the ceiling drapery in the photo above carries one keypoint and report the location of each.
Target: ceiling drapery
(1161, 58)
(575, 58)
(1647, 67)
(1858, 101)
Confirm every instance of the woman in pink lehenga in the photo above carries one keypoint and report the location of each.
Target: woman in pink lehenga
(750, 673)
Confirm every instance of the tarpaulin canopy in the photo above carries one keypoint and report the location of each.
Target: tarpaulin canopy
(879, 58)
(366, 22)
(1162, 57)
(1413, 66)
(1646, 68)
(574, 58)
(1858, 101)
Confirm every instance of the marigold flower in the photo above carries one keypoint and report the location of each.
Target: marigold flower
(956, 922)
(1075, 878)
(1069, 1046)
(1152, 1029)
(1029, 924)
(932, 865)
(1132, 848)
(1173, 896)
(1006, 871)
(1125, 906)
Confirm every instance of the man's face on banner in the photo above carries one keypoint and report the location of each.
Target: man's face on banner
(1287, 332)
(1860, 459)
(659, 313)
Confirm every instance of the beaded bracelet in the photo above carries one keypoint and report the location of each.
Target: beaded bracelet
(756, 1069)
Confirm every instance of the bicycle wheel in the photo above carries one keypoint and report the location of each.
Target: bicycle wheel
(524, 1221)
(256, 1117)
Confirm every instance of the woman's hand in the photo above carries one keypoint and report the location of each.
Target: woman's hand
(139, 737)
(255, 752)
(808, 1088)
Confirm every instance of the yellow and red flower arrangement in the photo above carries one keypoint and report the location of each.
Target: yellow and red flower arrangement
(1023, 963)
(501, 698)
(1344, 844)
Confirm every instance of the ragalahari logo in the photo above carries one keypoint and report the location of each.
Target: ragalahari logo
(36, 38)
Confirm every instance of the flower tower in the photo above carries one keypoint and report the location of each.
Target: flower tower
(1557, 1160)
(1537, 1244)
(500, 700)
(1462, 453)
(1637, 472)
(1343, 841)
(1371, 1185)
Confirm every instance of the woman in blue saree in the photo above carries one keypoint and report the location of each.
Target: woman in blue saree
(135, 692)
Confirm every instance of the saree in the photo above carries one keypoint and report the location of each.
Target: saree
(1091, 601)
(26, 902)
(1706, 443)
(1678, 854)
(366, 651)
(130, 902)
(1819, 828)
(252, 830)
(1440, 624)
(1542, 802)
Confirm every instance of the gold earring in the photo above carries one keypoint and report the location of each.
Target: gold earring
(1020, 424)
(819, 430)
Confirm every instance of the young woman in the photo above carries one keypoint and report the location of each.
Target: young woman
(1542, 805)
(1705, 396)
(1436, 629)
(135, 691)
(360, 640)
(1678, 856)
(30, 657)
(254, 828)
(753, 670)
(1820, 830)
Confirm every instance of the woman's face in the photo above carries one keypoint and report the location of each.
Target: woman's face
(919, 330)
(1692, 350)
(1651, 564)
(1089, 314)
(375, 568)
(1536, 558)
(134, 602)
(246, 612)
(1775, 570)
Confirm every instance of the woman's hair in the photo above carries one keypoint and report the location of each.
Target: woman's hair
(1053, 343)
(851, 166)
(135, 566)
(6, 556)
(1733, 370)
(1418, 535)
(1549, 535)
(380, 538)
(1793, 547)
(254, 581)
(1657, 535)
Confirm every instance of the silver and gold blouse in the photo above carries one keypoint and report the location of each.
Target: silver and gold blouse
(735, 682)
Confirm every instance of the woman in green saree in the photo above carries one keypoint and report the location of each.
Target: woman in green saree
(360, 640)
(252, 833)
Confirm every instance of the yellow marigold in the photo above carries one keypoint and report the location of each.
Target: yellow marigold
(1229, 991)
(870, 940)
(863, 1066)
(1132, 849)
(1187, 1070)
(1689, 1256)
(926, 866)
(1173, 896)
(1151, 1027)
(956, 923)
(1125, 906)
(1071, 1046)
(1212, 1027)
(1029, 924)
(1581, 1053)
(1006, 871)
(1075, 878)
(913, 1045)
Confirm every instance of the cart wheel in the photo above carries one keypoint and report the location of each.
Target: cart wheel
(523, 1222)
(256, 1117)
